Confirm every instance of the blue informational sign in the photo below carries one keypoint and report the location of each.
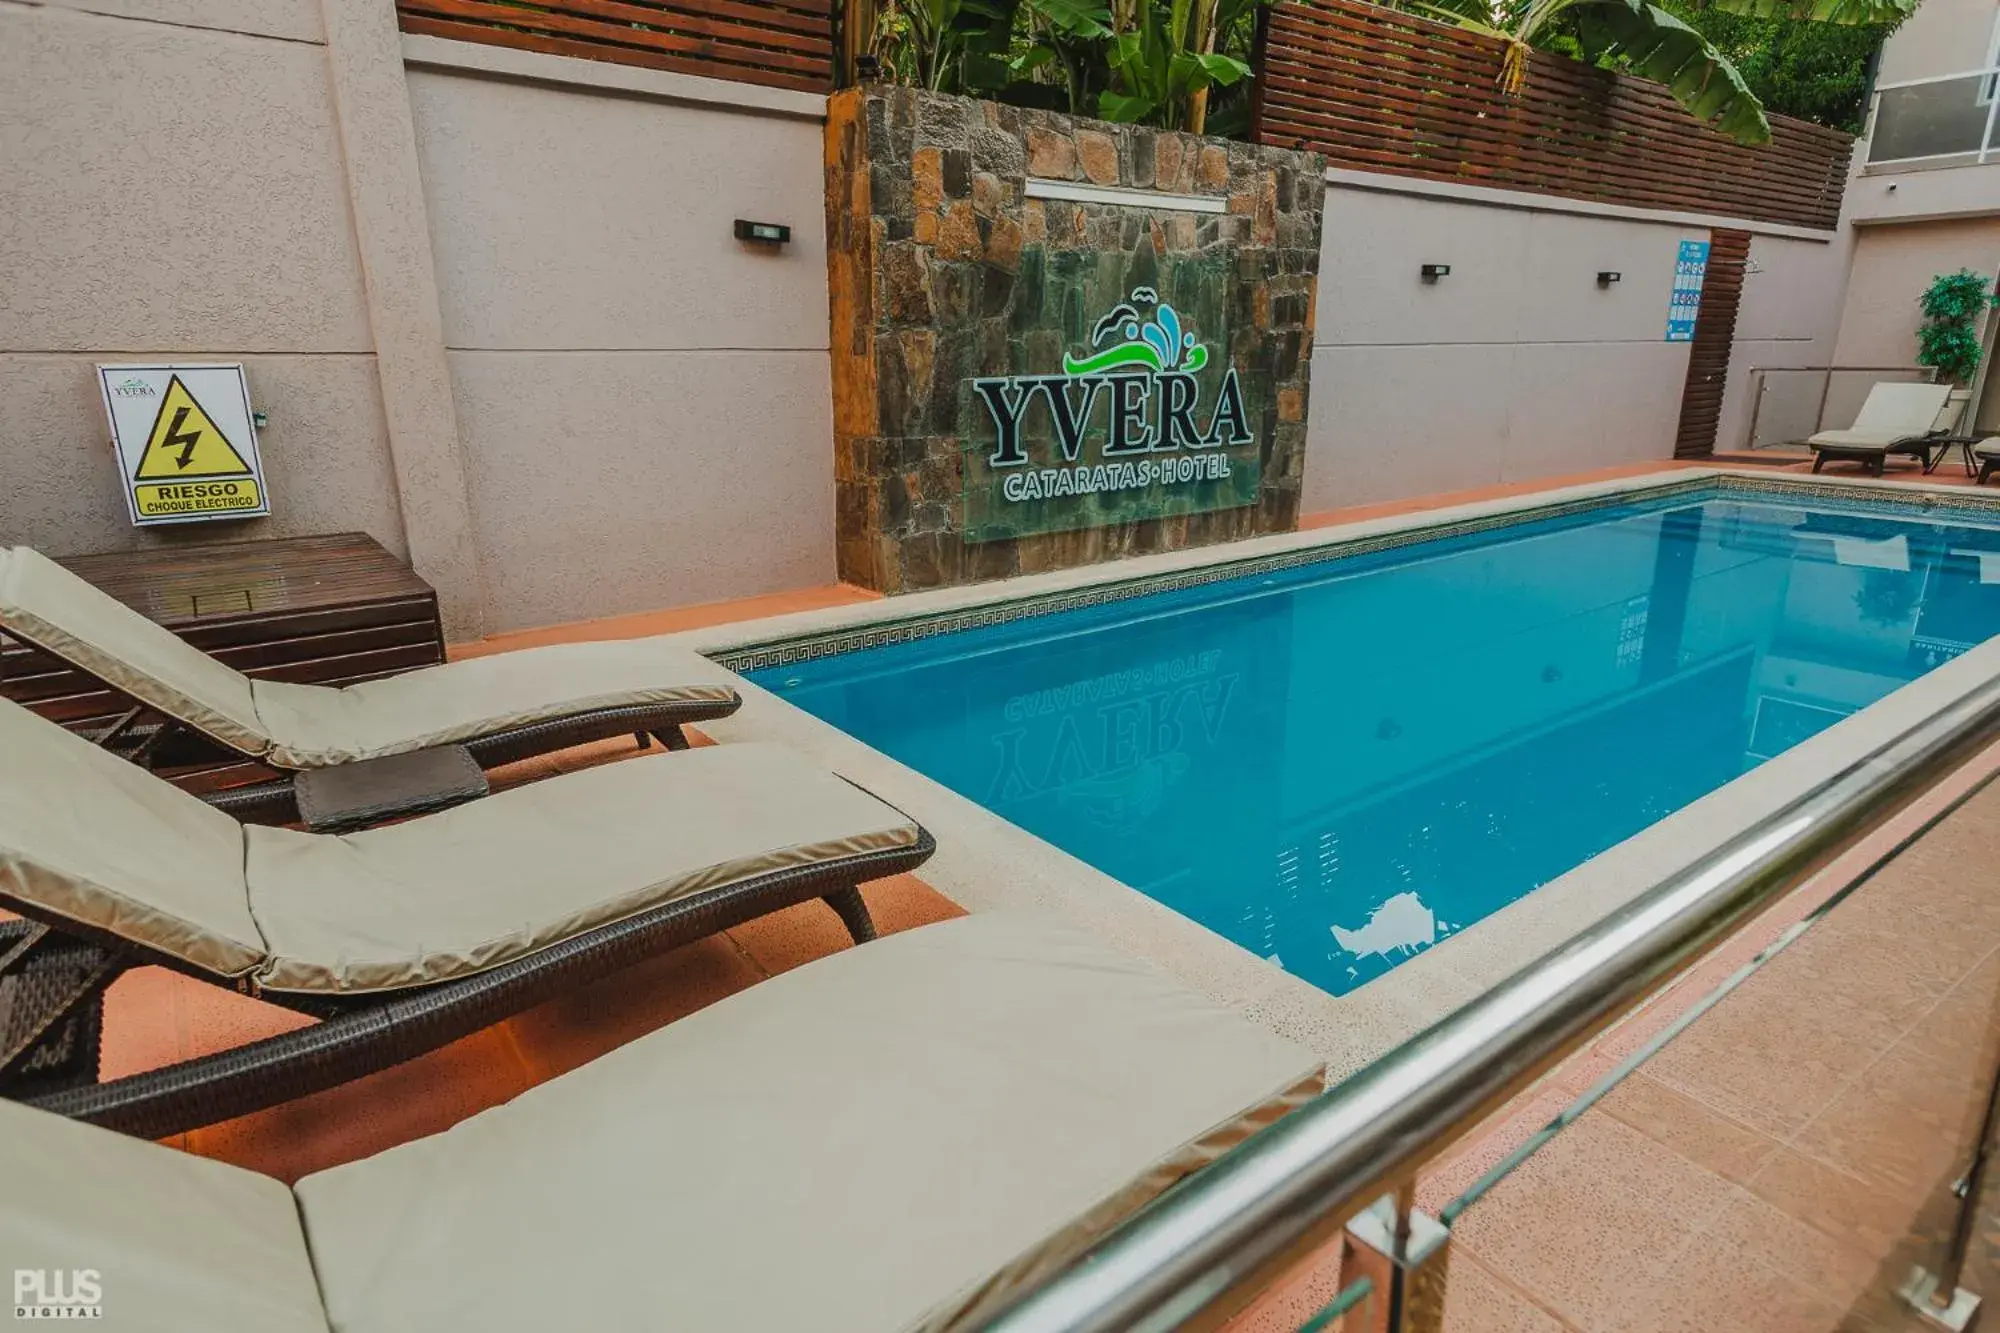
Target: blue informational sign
(1689, 271)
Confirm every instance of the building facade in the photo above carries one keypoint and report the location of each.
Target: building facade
(1925, 196)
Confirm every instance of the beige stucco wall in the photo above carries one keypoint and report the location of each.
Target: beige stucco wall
(1941, 37)
(174, 189)
(1891, 195)
(1789, 317)
(1515, 366)
(1892, 266)
(645, 401)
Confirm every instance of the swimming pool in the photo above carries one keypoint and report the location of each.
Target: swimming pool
(1341, 763)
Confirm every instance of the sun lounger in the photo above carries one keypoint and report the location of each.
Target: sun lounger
(894, 1137)
(1897, 418)
(1987, 454)
(502, 707)
(402, 938)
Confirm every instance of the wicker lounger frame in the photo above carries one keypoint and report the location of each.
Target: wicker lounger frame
(276, 801)
(1875, 460)
(361, 1035)
(273, 801)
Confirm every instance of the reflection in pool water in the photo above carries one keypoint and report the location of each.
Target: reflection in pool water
(1339, 764)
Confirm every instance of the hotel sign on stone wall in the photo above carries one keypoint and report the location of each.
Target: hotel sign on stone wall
(1058, 341)
(1144, 419)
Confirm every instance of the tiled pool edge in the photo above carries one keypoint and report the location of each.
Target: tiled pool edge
(985, 863)
(902, 619)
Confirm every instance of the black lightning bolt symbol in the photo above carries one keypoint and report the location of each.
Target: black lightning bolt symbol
(186, 442)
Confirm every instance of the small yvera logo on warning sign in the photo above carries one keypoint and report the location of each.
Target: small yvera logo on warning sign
(187, 448)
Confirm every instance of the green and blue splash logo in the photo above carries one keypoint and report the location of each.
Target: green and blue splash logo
(1157, 344)
(1141, 362)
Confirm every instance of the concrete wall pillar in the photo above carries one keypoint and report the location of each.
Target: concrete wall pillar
(378, 141)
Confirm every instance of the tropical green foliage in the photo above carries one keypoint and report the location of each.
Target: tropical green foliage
(1155, 62)
(1948, 339)
(1795, 67)
(1163, 60)
(1655, 43)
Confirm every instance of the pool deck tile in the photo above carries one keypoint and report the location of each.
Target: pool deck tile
(1675, 1203)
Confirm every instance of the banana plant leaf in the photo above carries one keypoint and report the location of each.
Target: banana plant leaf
(1844, 12)
(1658, 46)
(1075, 18)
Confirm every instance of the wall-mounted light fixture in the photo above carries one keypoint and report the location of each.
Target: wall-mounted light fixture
(1432, 272)
(1606, 276)
(763, 233)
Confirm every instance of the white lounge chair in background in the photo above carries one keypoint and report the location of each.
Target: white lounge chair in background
(1896, 419)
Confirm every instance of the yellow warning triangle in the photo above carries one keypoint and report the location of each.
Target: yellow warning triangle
(184, 442)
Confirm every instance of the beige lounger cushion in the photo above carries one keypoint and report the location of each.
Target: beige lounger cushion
(63, 614)
(315, 727)
(1988, 447)
(471, 888)
(102, 842)
(857, 1145)
(91, 838)
(1857, 440)
(1891, 414)
(178, 1241)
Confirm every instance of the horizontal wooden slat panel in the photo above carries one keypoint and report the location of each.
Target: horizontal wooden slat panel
(1380, 90)
(331, 610)
(785, 45)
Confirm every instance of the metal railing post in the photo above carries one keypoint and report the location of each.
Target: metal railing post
(1406, 1254)
(1756, 406)
(1940, 1298)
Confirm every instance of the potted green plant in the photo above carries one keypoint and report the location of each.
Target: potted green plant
(1948, 339)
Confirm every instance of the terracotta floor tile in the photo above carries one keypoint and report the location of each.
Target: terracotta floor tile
(1965, 1025)
(144, 1027)
(672, 620)
(1591, 1212)
(1698, 1132)
(783, 940)
(1477, 1301)
(563, 1033)
(1445, 1179)
(220, 1020)
(1295, 1298)
(1911, 1118)
(1780, 1047)
(1715, 1287)
(1863, 1215)
(1445, 499)
(423, 1096)
(1836, 1271)
(1888, 957)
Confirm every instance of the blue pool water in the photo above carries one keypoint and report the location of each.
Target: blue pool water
(1341, 763)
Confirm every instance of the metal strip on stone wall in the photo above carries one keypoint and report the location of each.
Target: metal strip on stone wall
(1380, 90)
(781, 44)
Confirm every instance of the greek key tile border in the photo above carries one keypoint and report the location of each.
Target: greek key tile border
(832, 643)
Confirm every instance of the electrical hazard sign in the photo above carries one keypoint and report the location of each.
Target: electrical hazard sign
(186, 442)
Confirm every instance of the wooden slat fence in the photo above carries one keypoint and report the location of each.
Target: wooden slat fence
(1714, 339)
(782, 45)
(1380, 90)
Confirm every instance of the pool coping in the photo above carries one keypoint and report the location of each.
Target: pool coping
(986, 863)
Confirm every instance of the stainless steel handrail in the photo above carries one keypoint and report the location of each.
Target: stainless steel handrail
(1203, 1249)
(1761, 384)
